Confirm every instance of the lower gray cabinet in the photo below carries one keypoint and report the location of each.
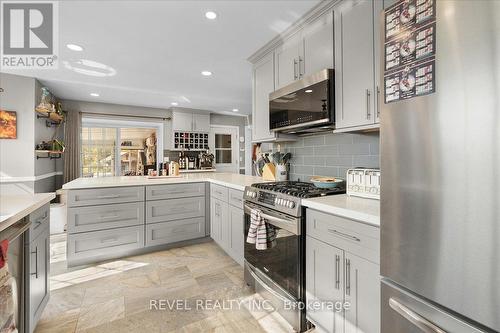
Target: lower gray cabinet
(341, 266)
(227, 221)
(324, 283)
(37, 267)
(92, 218)
(99, 245)
(236, 234)
(175, 231)
(174, 209)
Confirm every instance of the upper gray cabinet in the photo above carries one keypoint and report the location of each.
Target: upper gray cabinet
(289, 58)
(354, 63)
(263, 85)
(318, 45)
(190, 122)
(305, 52)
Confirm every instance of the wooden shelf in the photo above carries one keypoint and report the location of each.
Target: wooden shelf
(52, 154)
(52, 117)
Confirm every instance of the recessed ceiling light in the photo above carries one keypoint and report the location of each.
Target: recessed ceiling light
(94, 94)
(308, 91)
(206, 73)
(74, 47)
(235, 110)
(174, 103)
(211, 15)
(89, 67)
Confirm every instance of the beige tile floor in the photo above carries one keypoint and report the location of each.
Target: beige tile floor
(115, 296)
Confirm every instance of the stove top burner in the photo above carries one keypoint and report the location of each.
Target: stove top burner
(298, 189)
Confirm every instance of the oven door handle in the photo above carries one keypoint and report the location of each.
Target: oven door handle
(276, 221)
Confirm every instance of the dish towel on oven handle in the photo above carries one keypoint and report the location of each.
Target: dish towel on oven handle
(260, 233)
(7, 303)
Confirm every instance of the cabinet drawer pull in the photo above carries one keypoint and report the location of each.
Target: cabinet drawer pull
(109, 239)
(36, 262)
(336, 232)
(111, 196)
(348, 277)
(108, 217)
(337, 271)
(368, 114)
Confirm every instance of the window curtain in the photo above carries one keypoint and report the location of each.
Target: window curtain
(72, 137)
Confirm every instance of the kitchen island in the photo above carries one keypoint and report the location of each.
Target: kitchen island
(113, 217)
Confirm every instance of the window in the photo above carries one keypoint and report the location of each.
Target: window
(98, 151)
(119, 148)
(223, 148)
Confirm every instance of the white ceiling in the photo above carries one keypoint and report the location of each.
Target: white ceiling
(159, 48)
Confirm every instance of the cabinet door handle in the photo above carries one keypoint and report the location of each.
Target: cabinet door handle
(333, 231)
(368, 113)
(378, 103)
(348, 277)
(111, 196)
(337, 271)
(36, 262)
(108, 217)
(294, 69)
(300, 71)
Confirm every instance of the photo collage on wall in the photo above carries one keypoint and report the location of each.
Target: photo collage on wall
(410, 49)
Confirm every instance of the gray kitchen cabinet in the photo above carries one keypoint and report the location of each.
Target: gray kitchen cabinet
(103, 196)
(356, 92)
(342, 263)
(190, 122)
(38, 266)
(92, 218)
(170, 191)
(236, 234)
(88, 247)
(289, 58)
(174, 209)
(263, 85)
(324, 283)
(175, 231)
(218, 214)
(362, 291)
(182, 121)
(201, 122)
(318, 45)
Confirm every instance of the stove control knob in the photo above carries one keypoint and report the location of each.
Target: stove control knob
(291, 204)
(254, 194)
(280, 202)
(284, 203)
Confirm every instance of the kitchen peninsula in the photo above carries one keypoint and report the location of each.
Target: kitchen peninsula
(112, 217)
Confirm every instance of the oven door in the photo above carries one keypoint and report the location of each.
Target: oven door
(280, 263)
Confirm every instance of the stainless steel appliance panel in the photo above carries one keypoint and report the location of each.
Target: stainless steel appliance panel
(440, 157)
(405, 312)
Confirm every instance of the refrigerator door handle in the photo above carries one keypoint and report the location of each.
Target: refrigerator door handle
(423, 324)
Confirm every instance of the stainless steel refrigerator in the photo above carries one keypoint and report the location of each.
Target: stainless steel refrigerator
(440, 160)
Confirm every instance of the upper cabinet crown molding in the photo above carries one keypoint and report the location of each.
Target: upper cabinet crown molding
(317, 11)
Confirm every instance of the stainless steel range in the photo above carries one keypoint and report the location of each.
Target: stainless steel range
(278, 273)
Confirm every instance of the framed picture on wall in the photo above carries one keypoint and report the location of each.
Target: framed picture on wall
(8, 124)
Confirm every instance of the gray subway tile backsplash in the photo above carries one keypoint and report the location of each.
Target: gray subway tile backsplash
(331, 154)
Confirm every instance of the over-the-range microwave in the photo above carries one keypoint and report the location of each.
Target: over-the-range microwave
(304, 106)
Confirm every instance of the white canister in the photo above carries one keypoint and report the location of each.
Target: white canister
(281, 172)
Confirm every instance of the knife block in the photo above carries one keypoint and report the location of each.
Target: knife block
(269, 172)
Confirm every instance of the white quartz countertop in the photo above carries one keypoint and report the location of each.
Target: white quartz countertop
(360, 209)
(232, 180)
(14, 207)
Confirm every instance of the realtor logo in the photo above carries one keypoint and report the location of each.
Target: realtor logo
(29, 35)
